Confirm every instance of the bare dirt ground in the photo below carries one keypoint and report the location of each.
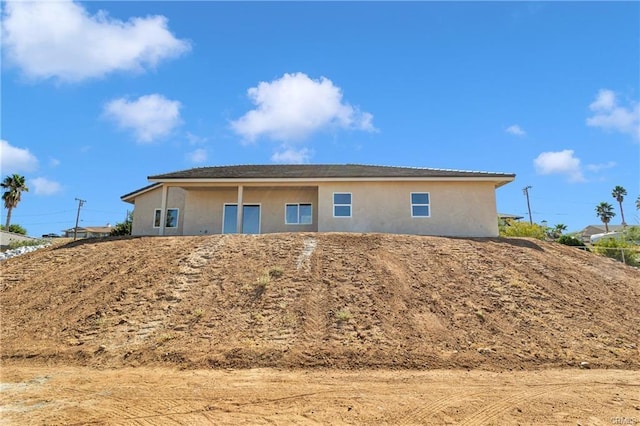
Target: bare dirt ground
(328, 328)
(150, 396)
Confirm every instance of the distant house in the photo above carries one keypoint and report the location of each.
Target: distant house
(88, 231)
(590, 230)
(254, 199)
(505, 219)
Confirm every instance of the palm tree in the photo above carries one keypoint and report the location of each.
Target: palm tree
(638, 203)
(618, 193)
(557, 231)
(14, 186)
(605, 212)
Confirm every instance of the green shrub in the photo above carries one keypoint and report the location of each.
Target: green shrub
(276, 272)
(523, 229)
(570, 240)
(343, 315)
(632, 234)
(26, 243)
(620, 250)
(123, 228)
(15, 228)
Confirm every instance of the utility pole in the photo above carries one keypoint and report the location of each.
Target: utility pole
(75, 230)
(525, 190)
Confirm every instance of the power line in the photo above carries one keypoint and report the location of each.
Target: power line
(44, 214)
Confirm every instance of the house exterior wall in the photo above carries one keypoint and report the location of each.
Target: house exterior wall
(204, 207)
(464, 209)
(144, 211)
(273, 200)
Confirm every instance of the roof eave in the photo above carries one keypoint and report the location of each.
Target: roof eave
(131, 197)
(500, 180)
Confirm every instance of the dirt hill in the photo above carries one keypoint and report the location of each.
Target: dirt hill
(306, 300)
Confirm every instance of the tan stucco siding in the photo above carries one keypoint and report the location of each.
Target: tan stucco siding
(466, 209)
(456, 208)
(205, 207)
(273, 200)
(147, 203)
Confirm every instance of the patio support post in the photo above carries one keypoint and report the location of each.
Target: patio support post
(239, 223)
(163, 209)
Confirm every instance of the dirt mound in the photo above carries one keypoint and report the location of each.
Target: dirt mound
(330, 300)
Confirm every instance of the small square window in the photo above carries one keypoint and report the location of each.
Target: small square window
(341, 204)
(420, 204)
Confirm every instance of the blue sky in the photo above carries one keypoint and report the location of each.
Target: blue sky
(96, 96)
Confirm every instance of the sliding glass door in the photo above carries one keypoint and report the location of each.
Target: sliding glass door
(250, 219)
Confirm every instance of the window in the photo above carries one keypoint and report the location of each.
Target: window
(420, 204)
(171, 219)
(341, 204)
(230, 219)
(250, 219)
(298, 214)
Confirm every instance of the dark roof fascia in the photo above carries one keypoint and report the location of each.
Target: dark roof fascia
(321, 172)
(132, 195)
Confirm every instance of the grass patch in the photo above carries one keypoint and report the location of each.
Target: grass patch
(26, 243)
(165, 337)
(197, 313)
(343, 315)
(276, 272)
(261, 285)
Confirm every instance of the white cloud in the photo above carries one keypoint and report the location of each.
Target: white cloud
(54, 162)
(515, 130)
(609, 115)
(43, 186)
(605, 101)
(291, 156)
(59, 39)
(599, 167)
(295, 106)
(561, 162)
(15, 160)
(197, 156)
(150, 117)
(195, 139)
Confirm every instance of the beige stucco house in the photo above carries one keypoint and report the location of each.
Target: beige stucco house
(322, 198)
(88, 231)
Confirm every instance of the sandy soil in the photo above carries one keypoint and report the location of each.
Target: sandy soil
(320, 300)
(150, 396)
(318, 328)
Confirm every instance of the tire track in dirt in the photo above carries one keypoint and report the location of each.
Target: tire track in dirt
(189, 274)
(315, 322)
(492, 411)
(423, 413)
